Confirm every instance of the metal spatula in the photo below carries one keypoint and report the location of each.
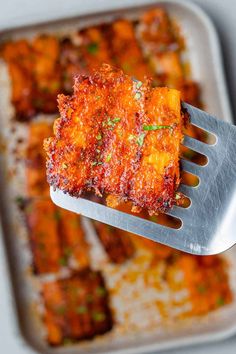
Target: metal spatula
(209, 223)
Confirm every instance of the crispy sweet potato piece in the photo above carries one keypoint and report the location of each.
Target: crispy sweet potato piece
(76, 308)
(43, 235)
(94, 48)
(56, 237)
(35, 75)
(74, 246)
(156, 30)
(19, 58)
(206, 280)
(161, 45)
(47, 73)
(158, 172)
(54, 318)
(120, 137)
(126, 51)
(116, 242)
(35, 159)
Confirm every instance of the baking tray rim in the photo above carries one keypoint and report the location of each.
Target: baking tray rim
(220, 79)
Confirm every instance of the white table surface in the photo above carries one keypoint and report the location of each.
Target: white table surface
(17, 12)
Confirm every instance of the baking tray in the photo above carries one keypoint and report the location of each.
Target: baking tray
(205, 58)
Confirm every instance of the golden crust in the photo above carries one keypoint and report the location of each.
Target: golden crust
(117, 136)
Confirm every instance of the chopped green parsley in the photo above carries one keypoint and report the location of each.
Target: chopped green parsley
(108, 158)
(140, 139)
(81, 310)
(138, 95)
(93, 48)
(98, 316)
(156, 127)
(139, 84)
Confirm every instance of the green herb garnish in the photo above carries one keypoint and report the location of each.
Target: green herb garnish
(220, 301)
(96, 163)
(201, 288)
(98, 316)
(138, 95)
(67, 341)
(92, 48)
(156, 127)
(57, 215)
(177, 196)
(139, 84)
(112, 122)
(63, 261)
(108, 158)
(140, 139)
(81, 310)
(100, 291)
(116, 120)
(20, 200)
(99, 137)
(60, 310)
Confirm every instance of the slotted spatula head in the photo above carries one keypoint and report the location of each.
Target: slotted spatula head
(209, 222)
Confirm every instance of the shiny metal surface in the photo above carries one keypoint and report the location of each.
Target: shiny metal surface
(209, 223)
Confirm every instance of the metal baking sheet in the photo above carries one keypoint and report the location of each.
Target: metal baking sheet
(205, 58)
